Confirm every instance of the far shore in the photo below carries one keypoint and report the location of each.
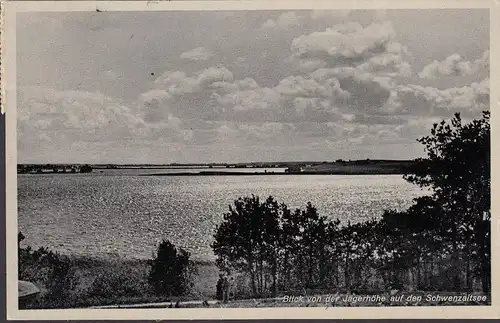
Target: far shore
(358, 172)
(339, 167)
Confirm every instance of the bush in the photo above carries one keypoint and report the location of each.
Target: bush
(49, 270)
(169, 275)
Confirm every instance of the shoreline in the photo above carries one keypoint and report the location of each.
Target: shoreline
(278, 173)
(229, 173)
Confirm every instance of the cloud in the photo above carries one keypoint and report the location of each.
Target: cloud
(469, 100)
(75, 115)
(292, 89)
(324, 95)
(153, 104)
(350, 105)
(197, 54)
(86, 119)
(455, 65)
(372, 48)
(365, 92)
(178, 83)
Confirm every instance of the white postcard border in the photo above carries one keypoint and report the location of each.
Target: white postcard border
(10, 9)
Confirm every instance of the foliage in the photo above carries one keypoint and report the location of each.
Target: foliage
(169, 275)
(458, 170)
(78, 281)
(86, 169)
(46, 268)
(442, 242)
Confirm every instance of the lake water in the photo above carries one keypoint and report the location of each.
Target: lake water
(122, 213)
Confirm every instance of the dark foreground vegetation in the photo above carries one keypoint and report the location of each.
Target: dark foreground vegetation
(68, 281)
(264, 249)
(441, 243)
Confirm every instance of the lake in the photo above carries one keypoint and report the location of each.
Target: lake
(121, 213)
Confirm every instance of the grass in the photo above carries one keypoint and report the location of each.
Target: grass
(94, 282)
(418, 298)
(114, 280)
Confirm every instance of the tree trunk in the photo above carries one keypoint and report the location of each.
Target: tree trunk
(485, 270)
(417, 278)
(252, 277)
(346, 272)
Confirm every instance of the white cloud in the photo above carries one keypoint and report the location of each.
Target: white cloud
(178, 83)
(197, 54)
(429, 101)
(373, 48)
(323, 95)
(76, 115)
(455, 65)
(349, 86)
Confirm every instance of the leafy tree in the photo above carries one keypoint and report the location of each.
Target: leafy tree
(312, 244)
(457, 169)
(169, 275)
(432, 245)
(247, 240)
(289, 240)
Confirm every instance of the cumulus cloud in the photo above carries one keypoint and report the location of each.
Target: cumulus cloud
(197, 54)
(324, 95)
(365, 92)
(88, 118)
(179, 83)
(76, 115)
(455, 65)
(469, 100)
(371, 48)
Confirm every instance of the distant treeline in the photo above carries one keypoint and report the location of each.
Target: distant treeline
(53, 168)
(337, 162)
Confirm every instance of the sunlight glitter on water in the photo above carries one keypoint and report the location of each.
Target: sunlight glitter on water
(128, 215)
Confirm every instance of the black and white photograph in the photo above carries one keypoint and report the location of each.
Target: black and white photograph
(283, 158)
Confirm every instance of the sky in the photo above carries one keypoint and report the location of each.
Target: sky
(243, 86)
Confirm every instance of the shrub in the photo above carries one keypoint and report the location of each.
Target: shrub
(49, 270)
(169, 274)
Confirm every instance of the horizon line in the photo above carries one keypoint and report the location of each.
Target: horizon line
(218, 163)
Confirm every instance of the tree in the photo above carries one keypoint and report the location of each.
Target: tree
(86, 169)
(169, 274)
(247, 241)
(457, 169)
(312, 245)
(273, 245)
